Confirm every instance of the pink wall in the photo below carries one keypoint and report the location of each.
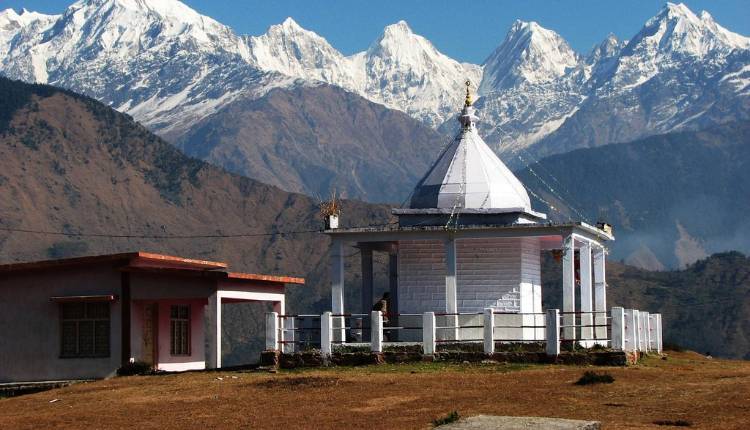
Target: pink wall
(166, 361)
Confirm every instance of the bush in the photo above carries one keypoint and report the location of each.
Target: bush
(590, 377)
(671, 346)
(136, 368)
(675, 423)
(450, 418)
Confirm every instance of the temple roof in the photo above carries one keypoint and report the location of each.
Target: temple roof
(468, 175)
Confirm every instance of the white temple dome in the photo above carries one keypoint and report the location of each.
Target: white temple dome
(468, 175)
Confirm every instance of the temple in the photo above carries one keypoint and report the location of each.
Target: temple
(470, 241)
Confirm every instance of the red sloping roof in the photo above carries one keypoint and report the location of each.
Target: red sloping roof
(268, 278)
(125, 257)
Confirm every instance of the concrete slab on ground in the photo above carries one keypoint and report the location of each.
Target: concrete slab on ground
(490, 422)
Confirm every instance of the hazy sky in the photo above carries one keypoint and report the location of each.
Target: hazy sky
(467, 31)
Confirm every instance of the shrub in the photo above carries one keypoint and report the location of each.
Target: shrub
(450, 418)
(590, 377)
(675, 423)
(135, 368)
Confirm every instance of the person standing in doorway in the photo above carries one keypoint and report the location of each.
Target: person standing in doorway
(382, 306)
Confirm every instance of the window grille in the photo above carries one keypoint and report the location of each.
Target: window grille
(180, 330)
(85, 330)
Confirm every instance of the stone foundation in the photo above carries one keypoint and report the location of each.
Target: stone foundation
(410, 355)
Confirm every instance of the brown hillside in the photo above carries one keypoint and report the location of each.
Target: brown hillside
(314, 139)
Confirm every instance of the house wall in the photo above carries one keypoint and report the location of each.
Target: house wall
(30, 323)
(197, 357)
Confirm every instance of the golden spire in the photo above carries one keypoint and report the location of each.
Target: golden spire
(467, 103)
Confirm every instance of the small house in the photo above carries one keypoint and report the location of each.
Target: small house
(83, 318)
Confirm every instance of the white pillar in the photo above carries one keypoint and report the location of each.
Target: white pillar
(272, 331)
(659, 333)
(376, 336)
(569, 292)
(337, 287)
(600, 292)
(652, 337)
(618, 328)
(428, 333)
(213, 312)
(587, 296)
(489, 331)
(288, 335)
(553, 332)
(326, 333)
(631, 330)
(638, 330)
(451, 295)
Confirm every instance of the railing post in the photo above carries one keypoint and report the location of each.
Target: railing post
(326, 333)
(553, 332)
(631, 330)
(376, 331)
(618, 328)
(489, 331)
(288, 335)
(428, 333)
(639, 330)
(658, 334)
(272, 331)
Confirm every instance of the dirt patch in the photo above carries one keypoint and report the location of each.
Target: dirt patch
(686, 387)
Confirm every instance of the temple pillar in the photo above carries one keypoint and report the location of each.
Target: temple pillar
(569, 292)
(587, 296)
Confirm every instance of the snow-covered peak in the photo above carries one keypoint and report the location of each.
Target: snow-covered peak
(676, 29)
(421, 80)
(12, 20)
(398, 40)
(530, 53)
(12, 23)
(129, 26)
(290, 49)
(608, 48)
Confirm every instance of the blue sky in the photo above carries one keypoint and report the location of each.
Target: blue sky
(467, 31)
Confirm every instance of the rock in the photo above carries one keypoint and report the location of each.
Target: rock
(489, 422)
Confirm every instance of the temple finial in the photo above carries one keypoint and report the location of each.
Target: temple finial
(468, 93)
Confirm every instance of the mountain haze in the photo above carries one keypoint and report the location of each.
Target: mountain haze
(673, 198)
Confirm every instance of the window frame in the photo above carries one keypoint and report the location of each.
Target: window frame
(176, 350)
(95, 321)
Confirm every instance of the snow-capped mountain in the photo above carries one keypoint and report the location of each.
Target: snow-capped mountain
(158, 60)
(421, 81)
(13, 23)
(681, 71)
(530, 54)
(170, 67)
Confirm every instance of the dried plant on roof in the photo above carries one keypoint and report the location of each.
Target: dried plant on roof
(331, 206)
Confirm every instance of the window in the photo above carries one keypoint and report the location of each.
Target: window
(85, 329)
(180, 330)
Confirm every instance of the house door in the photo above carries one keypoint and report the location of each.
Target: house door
(150, 333)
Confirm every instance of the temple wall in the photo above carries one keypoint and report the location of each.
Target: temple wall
(501, 273)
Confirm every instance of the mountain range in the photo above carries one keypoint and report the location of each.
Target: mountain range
(170, 67)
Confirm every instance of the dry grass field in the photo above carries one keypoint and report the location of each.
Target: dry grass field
(687, 387)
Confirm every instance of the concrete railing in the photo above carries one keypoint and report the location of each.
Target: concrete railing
(622, 329)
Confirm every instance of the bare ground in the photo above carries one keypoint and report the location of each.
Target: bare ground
(686, 387)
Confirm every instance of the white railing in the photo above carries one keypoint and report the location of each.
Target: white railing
(623, 329)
